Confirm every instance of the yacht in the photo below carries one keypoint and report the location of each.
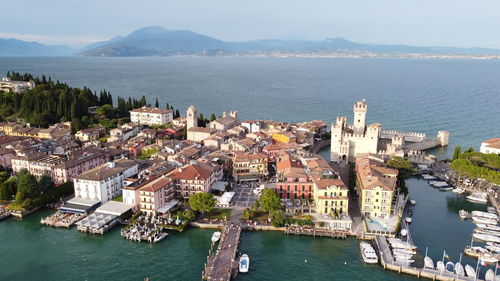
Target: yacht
(484, 231)
(244, 263)
(492, 210)
(446, 188)
(485, 215)
(459, 269)
(470, 271)
(489, 227)
(428, 263)
(368, 253)
(216, 236)
(489, 258)
(438, 184)
(481, 220)
(478, 198)
(428, 177)
(486, 237)
(440, 266)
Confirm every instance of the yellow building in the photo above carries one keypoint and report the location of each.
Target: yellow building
(250, 166)
(376, 185)
(283, 137)
(331, 196)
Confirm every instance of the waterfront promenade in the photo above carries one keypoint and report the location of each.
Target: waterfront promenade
(223, 264)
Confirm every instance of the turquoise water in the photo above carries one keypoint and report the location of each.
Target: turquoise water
(31, 251)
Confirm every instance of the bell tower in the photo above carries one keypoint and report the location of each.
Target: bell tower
(191, 117)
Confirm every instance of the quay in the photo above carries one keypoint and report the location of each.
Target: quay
(63, 219)
(4, 214)
(387, 261)
(223, 265)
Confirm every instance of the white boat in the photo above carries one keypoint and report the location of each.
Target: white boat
(485, 231)
(463, 214)
(476, 198)
(428, 263)
(216, 236)
(402, 256)
(490, 275)
(408, 219)
(368, 253)
(413, 202)
(428, 177)
(489, 258)
(486, 237)
(400, 251)
(484, 215)
(244, 263)
(458, 190)
(492, 210)
(493, 244)
(159, 237)
(438, 184)
(450, 267)
(480, 220)
(459, 269)
(440, 266)
(488, 226)
(470, 271)
(404, 260)
(404, 232)
(446, 188)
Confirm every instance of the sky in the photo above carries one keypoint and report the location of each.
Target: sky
(458, 23)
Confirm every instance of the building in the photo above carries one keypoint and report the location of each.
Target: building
(191, 117)
(37, 164)
(104, 182)
(292, 181)
(376, 187)
(250, 167)
(156, 193)
(151, 116)
(198, 134)
(491, 146)
(252, 126)
(226, 122)
(195, 178)
(67, 170)
(90, 134)
(16, 86)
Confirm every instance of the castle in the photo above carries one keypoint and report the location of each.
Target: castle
(349, 141)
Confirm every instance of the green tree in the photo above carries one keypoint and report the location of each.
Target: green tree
(203, 202)
(157, 104)
(8, 189)
(278, 218)
(188, 215)
(212, 117)
(27, 185)
(177, 114)
(269, 200)
(45, 182)
(247, 214)
(457, 152)
(405, 170)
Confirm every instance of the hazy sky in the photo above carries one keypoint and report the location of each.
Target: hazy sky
(460, 23)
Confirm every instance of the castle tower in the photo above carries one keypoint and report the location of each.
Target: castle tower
(443, 137)
(360, 109)
(192, 117)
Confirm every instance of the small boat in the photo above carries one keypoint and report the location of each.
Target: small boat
(160, 236)
(216, 236)
(438, 184)
(476, 198)
(428, 263)
(492, 210)
(470, 271)
(428, 177)
(244, 263)
(485, 231)
(489, 258)
(474, 251)
(463, 214)
(493, 244)
(458, 190)
(440, 266)
(481, 220)
(484, 215)
(413, 202)
(368, 253)
(446, 188)
(402, 256)
(488, 226)
(409, 213)
(404, 232)
(486, 237)
(404, 251)
(459, 269)
(490, 275)
(450, 267)
(408, 220)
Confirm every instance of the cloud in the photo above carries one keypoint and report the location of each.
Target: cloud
(75, 41)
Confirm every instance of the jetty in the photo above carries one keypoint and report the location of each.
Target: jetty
(223, 264)
(63, 219)
(387, 261)
(4, 214)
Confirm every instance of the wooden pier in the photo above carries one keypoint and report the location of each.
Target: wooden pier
(387, 261)
(223, 265)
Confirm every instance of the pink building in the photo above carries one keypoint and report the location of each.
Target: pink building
(155, 194)
(65, 171)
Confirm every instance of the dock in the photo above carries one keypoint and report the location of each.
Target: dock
(223, 264)
(387, 261)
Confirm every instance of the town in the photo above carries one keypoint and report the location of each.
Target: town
(152, 170)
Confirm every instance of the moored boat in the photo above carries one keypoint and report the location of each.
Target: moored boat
(404, 232)
(438, 184)
(458, 190)
(463, 214)
(446, 188)
(481, 220)
(368, 253)
(428, 177)
(216, 236)
(459, 269)
(470, 271)
(428, 263)
(486, 237)
(490, 275)
(488, 226)
(408, 220)
(485, 231)
(450, 267)
(492, 210)
(440, 266)
(489, 258)
(477, 197)
(474, 251)
(413, 202)
(484, 215)
(244, 263)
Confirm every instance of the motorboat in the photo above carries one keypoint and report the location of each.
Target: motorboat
(428, 177)
(440, 266)
(446, 188)
(459, 269)
(458, 190)
(216, 236)
(402, 256)
(160, 236)
(368, 253)
(404, 232)
(486, 237)
(474, 251)
(490, 275)
(485, 215)
(450, 267)
(463, 214)
(413, 202)
(438, 184)
(470, 271)
(484, 231)
(482, 220)
(489, 258)
(408, 220)
(488, 226)
(428, 263)
(493, 244)
(492, 210)
(244, 263)
(477, 197)
(403, 251)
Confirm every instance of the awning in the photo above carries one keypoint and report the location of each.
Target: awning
(96, 220)
(226, 198)
(219, 185)
(114, 208)
(167, 207)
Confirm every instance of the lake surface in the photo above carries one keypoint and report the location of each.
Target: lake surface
(462, 96)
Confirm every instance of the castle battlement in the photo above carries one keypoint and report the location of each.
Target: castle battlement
(396, 132)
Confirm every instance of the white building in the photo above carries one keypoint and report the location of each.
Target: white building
(252, 126)
(15, 86)
(105, 182)
(491, 146)
(151, 116)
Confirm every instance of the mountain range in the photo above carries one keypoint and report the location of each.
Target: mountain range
(158, 41)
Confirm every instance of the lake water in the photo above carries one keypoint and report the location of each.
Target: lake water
(420, 95)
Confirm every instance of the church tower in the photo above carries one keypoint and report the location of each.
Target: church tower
(360, 109)
(192, 117)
